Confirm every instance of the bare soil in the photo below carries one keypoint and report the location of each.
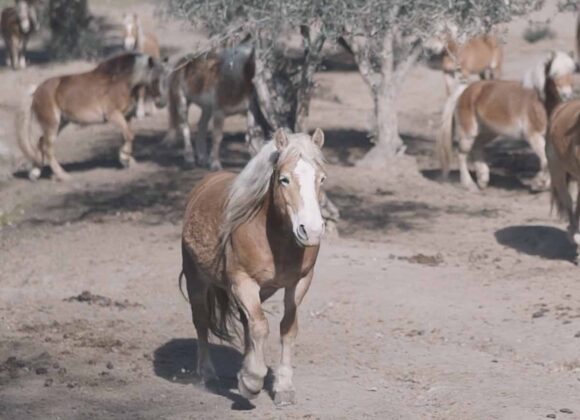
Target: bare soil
(433, 303)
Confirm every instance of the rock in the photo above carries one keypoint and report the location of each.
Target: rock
(48, 382)
(41, 371)
(577, 335)
(566, 411)
(110, 365)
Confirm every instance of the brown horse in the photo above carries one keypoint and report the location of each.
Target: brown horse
(16, 24)
(563, 153)
(484, 110)
(246, 236)
(137, 40)
(104, 94)
(220, 84)
(481, 55)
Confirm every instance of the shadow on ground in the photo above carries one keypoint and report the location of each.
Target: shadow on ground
(175, 361)
(542, 241)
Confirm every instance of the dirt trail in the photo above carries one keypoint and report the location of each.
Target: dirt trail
(433, 304)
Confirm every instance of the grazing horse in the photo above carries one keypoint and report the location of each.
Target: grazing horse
(484, 110)
(220, 84)
(563, 153)
(104, 94)
(562, 66)
(246, 236)
(481, 55)
(17, 23)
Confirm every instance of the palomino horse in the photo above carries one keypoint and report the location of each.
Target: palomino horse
(246, 236)
(220, 84)
(137, 40)
(481, 55)
(17, 23)
(563, 152)
(484, 110)
(562, 66)
(104, 94)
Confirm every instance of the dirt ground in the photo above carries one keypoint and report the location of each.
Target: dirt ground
(432, 304)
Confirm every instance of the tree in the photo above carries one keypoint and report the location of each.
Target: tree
(71, 34)
(386, 38)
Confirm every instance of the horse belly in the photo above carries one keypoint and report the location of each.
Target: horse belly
(205, 99)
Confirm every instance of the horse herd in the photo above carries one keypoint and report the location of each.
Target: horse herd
(246, 236)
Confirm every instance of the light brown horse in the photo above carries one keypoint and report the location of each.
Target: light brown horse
(563, 152)
(104, 94)
(481, 55)
(16, 24)
(220, 84)
(136, 39)
(246, 236)
(484, 110)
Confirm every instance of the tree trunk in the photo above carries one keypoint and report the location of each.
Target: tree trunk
(69, 21)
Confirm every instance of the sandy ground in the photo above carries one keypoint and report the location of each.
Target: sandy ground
(433, 303)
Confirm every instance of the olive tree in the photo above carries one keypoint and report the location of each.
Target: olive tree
(386, 38)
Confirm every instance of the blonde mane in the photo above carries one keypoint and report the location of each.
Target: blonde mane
(248, 191)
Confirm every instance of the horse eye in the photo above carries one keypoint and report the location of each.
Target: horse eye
(322, 179)
(284, 180)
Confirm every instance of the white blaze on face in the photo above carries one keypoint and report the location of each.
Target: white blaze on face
(129, 40)
(307, 223)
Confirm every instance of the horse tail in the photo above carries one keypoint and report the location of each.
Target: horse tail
(23, 122)
(445, 135)
(560, 198)
(222, 311)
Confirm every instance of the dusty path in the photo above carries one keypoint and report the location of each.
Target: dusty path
(433, 304)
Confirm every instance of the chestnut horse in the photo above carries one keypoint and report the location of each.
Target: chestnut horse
(481, 55)
(245, 237)
(563, 153)
(484, 110)
(106, 93)
(136, 39)
(16, 24)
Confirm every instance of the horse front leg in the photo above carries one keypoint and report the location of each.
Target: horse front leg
(201, 136)
(542, 180)
(284, 391)
(251, 375)
(126, 151)
(217, 137)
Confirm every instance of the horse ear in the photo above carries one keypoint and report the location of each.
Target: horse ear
(151, 62)
(318, 138)
(280, 139)
(571, 54)
(136, 17)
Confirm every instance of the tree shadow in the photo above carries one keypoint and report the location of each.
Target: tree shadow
(509, 182)
(542, 241)
(174, 361)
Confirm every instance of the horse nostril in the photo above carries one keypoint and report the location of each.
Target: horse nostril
(302, 232)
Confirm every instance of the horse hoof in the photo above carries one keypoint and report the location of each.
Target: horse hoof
(34, 174)
(282, 398)
(246, 392)
(215, 166)
(62, 177)
(128, 162)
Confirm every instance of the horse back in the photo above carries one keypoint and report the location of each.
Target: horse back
(504, 105)
(151, 45)
(479, 54)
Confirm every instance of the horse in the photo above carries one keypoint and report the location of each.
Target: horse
(246, 236)
(16, 24)
(481, 55)
(221, 85)
(563, 153)
(484, 110)
(137, 40)
(562, 67)
(106, 93)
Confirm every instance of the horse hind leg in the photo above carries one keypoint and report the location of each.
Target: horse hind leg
(466, 142)
(542, 180)
(201, 136)
(197, 292)
(47, 146)
(478, 154)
